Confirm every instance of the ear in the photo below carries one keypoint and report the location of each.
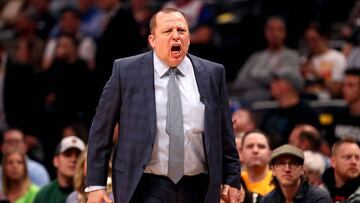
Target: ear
(272, 169)
(56, 161)
(151, 40)
(332, 162)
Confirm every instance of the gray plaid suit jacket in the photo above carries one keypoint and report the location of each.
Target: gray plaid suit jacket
(128, 98)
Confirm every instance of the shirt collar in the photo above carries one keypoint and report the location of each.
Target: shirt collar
(161, 68)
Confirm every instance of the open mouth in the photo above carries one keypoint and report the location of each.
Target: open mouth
(175, 48)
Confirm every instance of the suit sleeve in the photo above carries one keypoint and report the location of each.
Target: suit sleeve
(231, 163)
(102, 128)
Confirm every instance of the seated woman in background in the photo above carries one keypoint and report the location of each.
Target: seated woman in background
(79, 195)
(17, 187)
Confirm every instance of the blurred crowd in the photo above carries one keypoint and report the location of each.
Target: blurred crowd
(293, 73)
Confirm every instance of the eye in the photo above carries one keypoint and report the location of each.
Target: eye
(167, 31)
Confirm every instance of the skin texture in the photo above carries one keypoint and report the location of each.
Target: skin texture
(346, 162)
(255, 151)
(171, 30)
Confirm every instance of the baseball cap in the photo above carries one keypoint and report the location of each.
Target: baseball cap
(68, 143)
(287, 149)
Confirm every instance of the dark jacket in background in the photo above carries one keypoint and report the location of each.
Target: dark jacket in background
(343, 193)
(306, 194)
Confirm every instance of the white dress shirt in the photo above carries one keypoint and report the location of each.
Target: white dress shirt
(193, 118)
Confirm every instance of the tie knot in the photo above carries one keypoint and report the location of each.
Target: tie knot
(173, 71)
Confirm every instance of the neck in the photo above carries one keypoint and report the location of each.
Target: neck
(290, 191)
(16, 188)
(339, 182)
(355, 108)
(275, 48)
(257, 173)
(288, 100)
(322, 50)
(65, 181)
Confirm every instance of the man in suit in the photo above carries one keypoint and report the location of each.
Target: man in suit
(145, 168)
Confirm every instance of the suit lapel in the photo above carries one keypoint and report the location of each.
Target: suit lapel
(147, 79)
(202, 79)
(203, 83)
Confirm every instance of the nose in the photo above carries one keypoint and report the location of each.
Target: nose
(73, 156)
(255, 149)
(175, 35)
(287, 167)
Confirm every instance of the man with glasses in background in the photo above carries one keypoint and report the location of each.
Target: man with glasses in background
(287, 165)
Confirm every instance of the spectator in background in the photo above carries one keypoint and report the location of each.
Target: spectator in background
(10, 10)
(44, 19)
(286, 89)
(16, 184)
(256, 176)
(68, 84)
(314, 167)
(79, 195)
(254, 78)
(66, 91)
(347, 122)
(323, 65)
(14, 139)
(69, 24)
(120, 38)
(91, 18)
(342, 180)
(243, 121)
(287, 166)
(25, 35)
(64, 160)
(201, 20)
(16, 91)
(142, 13)
(307, 137)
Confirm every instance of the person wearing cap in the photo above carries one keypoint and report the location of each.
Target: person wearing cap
(253, 79)
(65, 159)
(286, 89)
(287, 165)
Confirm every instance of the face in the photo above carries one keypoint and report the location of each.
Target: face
(106, 5)
(15, 167)
(66, 162)
(241, 121)
(351, 88)
(69, 23)
(65, 48)
(346, 161)
(275, 33)
(255, 150)
(314, 177)
(287, 170)
(170, 38)
(279, 87)
(314, 41)
(13, 139)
